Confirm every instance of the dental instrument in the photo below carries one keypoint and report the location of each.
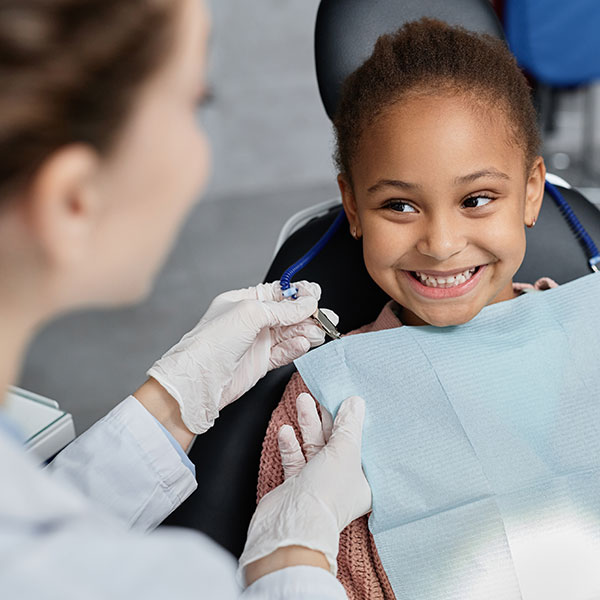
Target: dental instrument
(326, 325)
(290, 291)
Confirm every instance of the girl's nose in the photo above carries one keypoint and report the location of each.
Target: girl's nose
(441, 239)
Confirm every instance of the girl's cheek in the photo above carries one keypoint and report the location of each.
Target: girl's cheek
(380, 265)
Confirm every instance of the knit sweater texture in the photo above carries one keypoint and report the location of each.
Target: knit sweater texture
(359, 567)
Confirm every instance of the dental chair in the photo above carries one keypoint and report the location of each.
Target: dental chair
(227, 457)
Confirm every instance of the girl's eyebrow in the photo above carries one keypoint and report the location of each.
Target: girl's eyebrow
(489, 172)
(402, 185)
(470, 178)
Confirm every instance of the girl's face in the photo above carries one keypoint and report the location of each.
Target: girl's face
(441, 198)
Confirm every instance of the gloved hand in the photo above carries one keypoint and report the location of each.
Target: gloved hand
(244, 334)
(311, 507)
(315, 434)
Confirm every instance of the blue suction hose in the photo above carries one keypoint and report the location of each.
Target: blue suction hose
(286, 278)
(591, 250)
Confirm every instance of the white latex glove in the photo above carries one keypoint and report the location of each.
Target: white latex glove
(315, 434)
(311, 508)
(244, 334)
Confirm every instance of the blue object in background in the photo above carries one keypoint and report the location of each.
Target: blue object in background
(557, 41)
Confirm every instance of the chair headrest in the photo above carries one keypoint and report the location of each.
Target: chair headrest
(346, 32)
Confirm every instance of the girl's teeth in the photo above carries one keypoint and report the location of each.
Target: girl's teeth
(445, 282)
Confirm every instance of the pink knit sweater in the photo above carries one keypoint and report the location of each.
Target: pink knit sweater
(359, 568)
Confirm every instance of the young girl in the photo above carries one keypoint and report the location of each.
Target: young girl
(439, 172)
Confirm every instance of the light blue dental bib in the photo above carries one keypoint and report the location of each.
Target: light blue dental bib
(482, 447)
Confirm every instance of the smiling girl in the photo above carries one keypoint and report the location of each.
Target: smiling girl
(440, 174)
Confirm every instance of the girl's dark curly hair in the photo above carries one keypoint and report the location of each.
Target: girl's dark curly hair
(432, 57)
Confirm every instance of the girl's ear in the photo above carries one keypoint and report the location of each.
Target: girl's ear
(349, 202)
(534, 193)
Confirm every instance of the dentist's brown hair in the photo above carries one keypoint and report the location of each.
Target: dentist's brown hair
(70, 71)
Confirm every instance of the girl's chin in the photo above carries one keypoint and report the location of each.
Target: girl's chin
(450, 322)
(446, 318)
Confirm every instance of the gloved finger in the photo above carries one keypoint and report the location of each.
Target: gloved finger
(349, 421)
(225, 303)
(292, 459)
(267, 292)
(310, 425)
(308, 329)
(272, 291)
(249, 293)
(327, 421)
(332, 316)
(288, 351)
(308, 288)
(247, 369)
(286, 312)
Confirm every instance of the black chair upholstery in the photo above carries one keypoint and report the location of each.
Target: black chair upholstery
(227, 457)
(347, 30)
(552, 249)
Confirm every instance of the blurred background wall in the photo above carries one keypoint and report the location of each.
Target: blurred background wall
(272, 156)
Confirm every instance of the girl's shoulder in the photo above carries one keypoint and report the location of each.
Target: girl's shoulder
(387, 319)
(543, 283)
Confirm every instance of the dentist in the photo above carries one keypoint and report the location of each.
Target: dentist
(100, 160)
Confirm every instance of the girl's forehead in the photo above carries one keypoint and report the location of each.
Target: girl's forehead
(418, 110)
(443, 132)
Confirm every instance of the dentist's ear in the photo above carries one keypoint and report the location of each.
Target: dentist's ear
(62, 204)
(349, 202)
(534, 193)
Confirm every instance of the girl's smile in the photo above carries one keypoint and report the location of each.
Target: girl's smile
(441, 194)
(449, 284)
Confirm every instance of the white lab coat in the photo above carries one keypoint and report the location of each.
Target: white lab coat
(79, 528)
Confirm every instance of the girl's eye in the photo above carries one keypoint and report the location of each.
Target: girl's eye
(399, 206)
(477, 201)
